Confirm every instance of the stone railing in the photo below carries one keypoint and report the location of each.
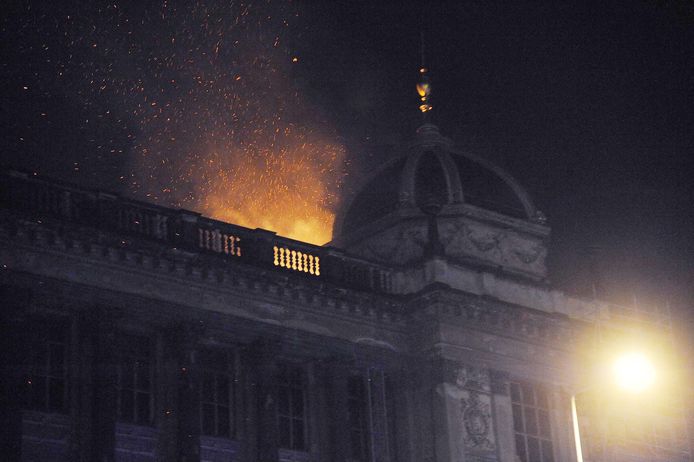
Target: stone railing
(43, 199)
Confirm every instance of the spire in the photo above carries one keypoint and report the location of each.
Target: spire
(423, 86)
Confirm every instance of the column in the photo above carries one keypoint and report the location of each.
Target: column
(423, 401)
(403, 420)
(463, 413)
(81, 386)
(105, 370)
(337, 402)
(261, 359)
(503, 416)
(189, 396)
(15, 302)
(167, 409)
(380, 449)
(318, 417)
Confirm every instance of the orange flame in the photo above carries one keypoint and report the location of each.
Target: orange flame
(288, 189)
(236, 140)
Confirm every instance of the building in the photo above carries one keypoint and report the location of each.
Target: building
(426, 331)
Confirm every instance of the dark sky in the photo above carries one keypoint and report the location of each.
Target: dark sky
(588, 104)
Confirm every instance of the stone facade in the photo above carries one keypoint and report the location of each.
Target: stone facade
(139, 333)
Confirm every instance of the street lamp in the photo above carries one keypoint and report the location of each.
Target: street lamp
(632, 372)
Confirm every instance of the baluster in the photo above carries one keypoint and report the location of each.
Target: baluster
(317, 266)
(293, 260)
(299, 259)
(238, 247)
(216, 241)
(310, 264)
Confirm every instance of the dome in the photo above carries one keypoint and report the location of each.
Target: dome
(432, 171)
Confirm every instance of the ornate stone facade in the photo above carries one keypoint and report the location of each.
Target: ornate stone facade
(140, 333)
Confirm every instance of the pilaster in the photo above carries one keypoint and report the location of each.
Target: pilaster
(337, 411)
(264, 437)
(105, 370)
(14, 348)
(502, 415)
(379, 415)
(167, 411)
(189, 394)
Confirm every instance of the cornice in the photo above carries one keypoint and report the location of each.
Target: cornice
(200, 271)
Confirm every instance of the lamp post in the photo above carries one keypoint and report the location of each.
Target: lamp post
(632, 372)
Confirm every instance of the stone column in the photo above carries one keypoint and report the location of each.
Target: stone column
(337, 402)
(404, 422)
(502, 413)
(424, 395)
(15, 302)
(379, 415)
(105, 370)
(318, 413)
(81, 387)
(167, 412)
(263, 433)
(463, 414)
(188, 395)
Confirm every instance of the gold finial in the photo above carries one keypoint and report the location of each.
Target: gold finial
(423, 87)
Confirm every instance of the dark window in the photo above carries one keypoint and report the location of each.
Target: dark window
(531, 422)
(291, 408)
(217, 404)
(135, 381)
(357, 412)
(46, 382)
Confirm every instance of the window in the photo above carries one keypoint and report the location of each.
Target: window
(217, 402)
(46, 382)
(291, 408)
(357, 416)
(135, 381)
(531, 422)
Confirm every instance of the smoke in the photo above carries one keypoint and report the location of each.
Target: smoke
(224, 129)
(185, 104)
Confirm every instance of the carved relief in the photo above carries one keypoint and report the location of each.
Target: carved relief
(499, 247)
(484, 242)
(398, 245)
(476, 415)
(530, 256)
(473, 378)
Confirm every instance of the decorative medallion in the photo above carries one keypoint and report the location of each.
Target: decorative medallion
(477, 423)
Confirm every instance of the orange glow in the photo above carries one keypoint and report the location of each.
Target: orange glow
(423, 89)
(288, 187)
(240, 142)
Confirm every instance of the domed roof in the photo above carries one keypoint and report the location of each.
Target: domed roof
(432, 171)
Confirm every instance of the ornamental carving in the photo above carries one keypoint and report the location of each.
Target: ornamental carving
(476, 415)
(530, 256)
(484, 242)
(473, 378)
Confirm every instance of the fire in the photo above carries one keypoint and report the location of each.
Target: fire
(289, 189)
(229, 133)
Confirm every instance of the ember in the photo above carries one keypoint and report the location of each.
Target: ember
(228, 132)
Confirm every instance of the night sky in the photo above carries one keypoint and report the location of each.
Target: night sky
(251, 110)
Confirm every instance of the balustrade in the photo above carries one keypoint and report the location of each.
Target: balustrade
(295, 260)
(217, 241)
(34, 195)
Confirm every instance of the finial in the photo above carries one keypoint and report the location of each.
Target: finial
(423, 87)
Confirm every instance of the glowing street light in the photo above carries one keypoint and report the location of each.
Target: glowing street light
(632, 372)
